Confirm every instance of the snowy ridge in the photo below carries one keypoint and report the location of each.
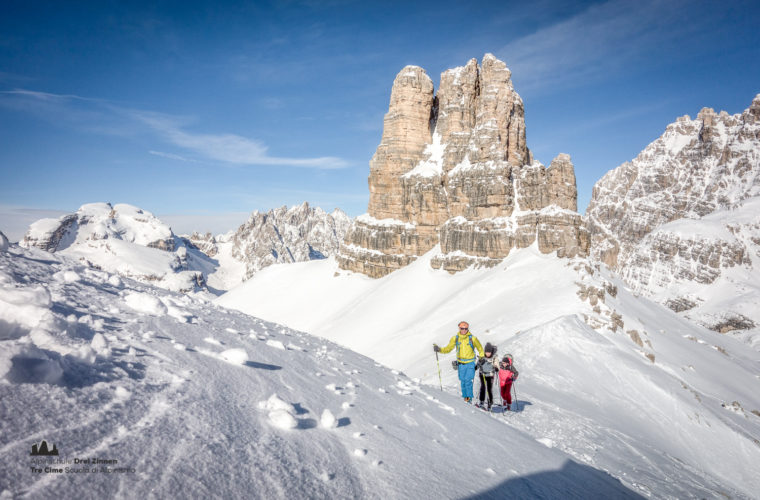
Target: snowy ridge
(119, 370)
(135, 244)
(608, 375)
(126, 240)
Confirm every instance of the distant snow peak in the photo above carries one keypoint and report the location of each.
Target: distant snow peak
(285, 235)
(122, 239)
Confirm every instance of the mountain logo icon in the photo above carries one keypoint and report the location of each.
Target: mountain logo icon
(42, 450)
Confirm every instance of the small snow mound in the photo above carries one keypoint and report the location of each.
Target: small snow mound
(282, 419)
(276, 344)
(121, 393)
(546, 442)
(99, 344)
(67, 276)
(212, 340)
(360, 452)
(179, 314)
(275, 403)
(235, 356)
(231, 330)
(85, 354)
(328, 420)
(115, 281)
(145, 303)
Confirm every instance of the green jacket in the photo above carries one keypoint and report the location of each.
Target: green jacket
(465, 353)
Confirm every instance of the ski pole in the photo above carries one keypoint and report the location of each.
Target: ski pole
(483, 384)
(439, 371)
(514, 388)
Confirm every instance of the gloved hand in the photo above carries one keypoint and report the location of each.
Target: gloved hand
(481, 361)
(436, 348)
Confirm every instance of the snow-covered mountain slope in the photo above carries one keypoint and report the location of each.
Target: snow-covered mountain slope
(134, 243)
(680, 222)
(176, 397)
(126, 240)
(616, 381)
(285, 235)
(707, 269)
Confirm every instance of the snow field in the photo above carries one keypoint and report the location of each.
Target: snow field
(159, 400)
(593, 394)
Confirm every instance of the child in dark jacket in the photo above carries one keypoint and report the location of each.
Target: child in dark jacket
(507, 375)
(487, 367)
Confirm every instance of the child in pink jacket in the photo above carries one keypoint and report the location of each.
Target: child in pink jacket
(507, 375)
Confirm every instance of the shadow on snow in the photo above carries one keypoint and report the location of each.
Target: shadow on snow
(573, 480)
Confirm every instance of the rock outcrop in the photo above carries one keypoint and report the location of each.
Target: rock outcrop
(454, 168)
(682, 220)
(3, 242)
(286, 235)
(205, 243)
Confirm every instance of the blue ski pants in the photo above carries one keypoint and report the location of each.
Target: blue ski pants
(466, 374)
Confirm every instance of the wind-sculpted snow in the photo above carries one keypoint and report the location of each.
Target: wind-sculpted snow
(610, 378)
(148, 404)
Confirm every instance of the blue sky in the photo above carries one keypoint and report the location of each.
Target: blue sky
(205, 111)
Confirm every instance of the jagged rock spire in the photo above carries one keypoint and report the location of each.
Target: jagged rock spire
(449, 161)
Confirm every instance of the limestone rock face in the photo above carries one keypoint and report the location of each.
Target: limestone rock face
(286, 235)
(406, 134)
(205, 243)
(454, 168)
(681, 221)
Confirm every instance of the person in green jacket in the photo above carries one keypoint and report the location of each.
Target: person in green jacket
(466, 343)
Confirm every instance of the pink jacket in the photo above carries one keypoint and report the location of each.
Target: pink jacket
(508, 375)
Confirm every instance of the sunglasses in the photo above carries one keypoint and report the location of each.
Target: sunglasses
(463, 328)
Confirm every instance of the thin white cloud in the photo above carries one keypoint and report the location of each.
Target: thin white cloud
(608, 38)
(226, 148)
(172, 156)
(229, 148)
